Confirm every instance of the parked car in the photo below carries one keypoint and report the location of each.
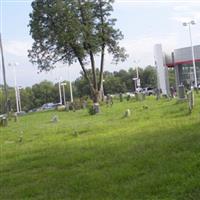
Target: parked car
(21, 113)
(130, 94)
(49, 106)
(149, 91)
(139, 89)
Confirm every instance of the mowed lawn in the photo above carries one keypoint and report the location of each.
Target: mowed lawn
(154, 154)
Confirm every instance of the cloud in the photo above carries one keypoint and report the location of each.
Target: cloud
(17, 47)
(180, 8)
(142, 47)
(186, 13)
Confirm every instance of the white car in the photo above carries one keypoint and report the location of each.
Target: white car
(148, 91)
(139, 89)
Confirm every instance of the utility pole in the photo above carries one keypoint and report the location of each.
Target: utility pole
(192, 51)
(16, 87)
(59, 87)
(19, 98)
(64, 99)
(70, 88)
(4, 77)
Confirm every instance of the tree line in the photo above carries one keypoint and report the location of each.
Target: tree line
(113, 83)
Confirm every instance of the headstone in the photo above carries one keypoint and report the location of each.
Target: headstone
(157, 91)
(120, 97)
(20, 139)
(109, 100)
(145, 107)
(4, 121)
(54, 119)
(75, 133)
(127, 113)
(140, 96)
(128, 97)
(172, 92)
(15, 117)
(181, 92)
(84, 104)
(67, 106)
(96, 107)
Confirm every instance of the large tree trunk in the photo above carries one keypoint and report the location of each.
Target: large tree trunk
(96, 99)
(100, 84)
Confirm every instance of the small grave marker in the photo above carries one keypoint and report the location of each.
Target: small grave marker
(121, 97)
(54, 119)
(127, 113)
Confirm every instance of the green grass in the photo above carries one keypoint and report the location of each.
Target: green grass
(152, 155)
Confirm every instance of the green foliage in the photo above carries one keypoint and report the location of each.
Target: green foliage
(46, 91)
(172, 79)
(71, 31)
(149, 78)
(91, 110)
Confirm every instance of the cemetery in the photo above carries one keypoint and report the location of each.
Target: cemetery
(138, 149)
(103, 134)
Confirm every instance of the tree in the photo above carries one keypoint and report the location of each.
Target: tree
(172, 79)
(113, 85)
(75, 30)
(43, 93)
(149, 77)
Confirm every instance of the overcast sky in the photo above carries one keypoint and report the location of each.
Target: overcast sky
(143, 23)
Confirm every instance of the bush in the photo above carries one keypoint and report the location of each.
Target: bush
(91, 110)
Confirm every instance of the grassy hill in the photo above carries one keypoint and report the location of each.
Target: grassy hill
(152, 155)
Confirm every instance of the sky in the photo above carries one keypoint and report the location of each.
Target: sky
(144, 23)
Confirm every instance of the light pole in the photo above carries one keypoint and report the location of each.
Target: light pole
(59, 87)
(19, 98)
(63, 85)
(15, 82)
(192, 22)
(137, 73)
(70, 87)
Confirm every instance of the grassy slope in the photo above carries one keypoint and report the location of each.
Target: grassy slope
(154, 154)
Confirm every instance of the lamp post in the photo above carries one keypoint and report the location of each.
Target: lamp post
(70, 87)
(59, 87)
(15, 82)
(192, 22)
(19, 98)
(63, 85)
(137, 79)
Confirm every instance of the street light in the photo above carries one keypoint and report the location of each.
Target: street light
(15, 82)
(192, 22)
(137, 79)
(137, 65)
(19, 98)
(63, 85)
(70, 87)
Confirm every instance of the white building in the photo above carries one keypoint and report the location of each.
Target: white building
(181, 60)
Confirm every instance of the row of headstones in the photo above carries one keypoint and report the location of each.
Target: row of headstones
(7, 117)
(189, 96)
(138, 97)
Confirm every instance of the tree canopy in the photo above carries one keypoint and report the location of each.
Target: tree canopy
(75, 31)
